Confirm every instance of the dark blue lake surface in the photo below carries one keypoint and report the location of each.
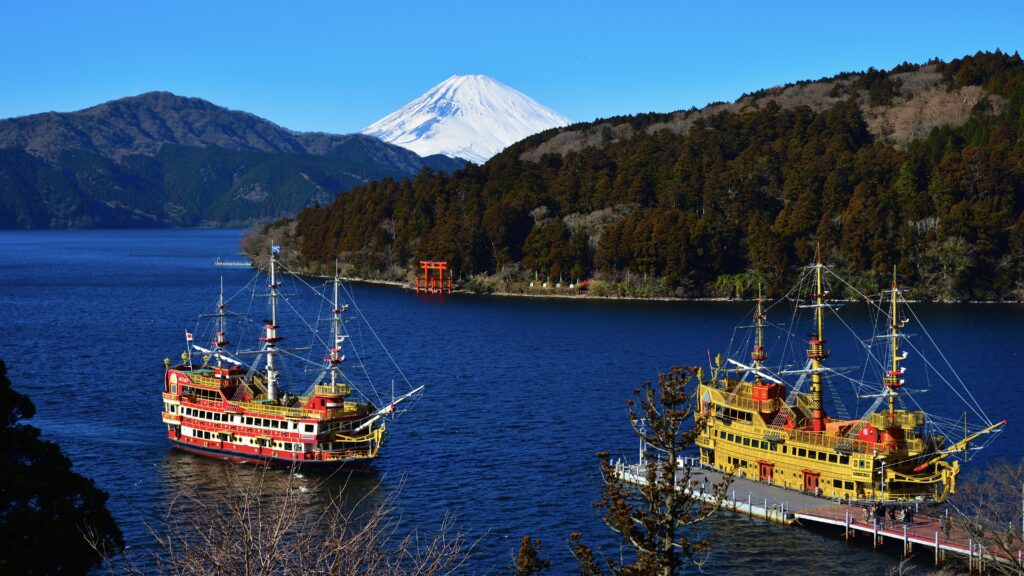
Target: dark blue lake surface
(520, 395)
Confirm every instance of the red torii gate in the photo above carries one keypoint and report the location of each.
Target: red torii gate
(430, 284)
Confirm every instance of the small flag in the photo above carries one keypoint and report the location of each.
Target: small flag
(275, 248)
(188, 336)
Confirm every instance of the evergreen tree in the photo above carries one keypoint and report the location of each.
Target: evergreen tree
(650, 517)
(50, 517)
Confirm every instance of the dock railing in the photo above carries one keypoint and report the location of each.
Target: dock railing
(738, 499)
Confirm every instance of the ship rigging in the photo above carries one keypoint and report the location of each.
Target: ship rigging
(246, 405)
(763, 424)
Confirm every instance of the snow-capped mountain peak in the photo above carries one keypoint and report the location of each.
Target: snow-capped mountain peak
(472, 117)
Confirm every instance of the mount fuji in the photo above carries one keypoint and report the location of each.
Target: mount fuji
(471, 117)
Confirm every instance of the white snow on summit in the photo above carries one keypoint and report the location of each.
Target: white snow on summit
(472, 117)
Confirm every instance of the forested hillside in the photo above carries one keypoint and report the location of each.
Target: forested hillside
(876, 167)
(164, 160)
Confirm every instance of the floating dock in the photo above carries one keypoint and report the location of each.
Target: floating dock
(784, 506)
(744, 496)
(235, 263)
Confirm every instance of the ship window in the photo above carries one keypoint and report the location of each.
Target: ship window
(746, 441)
(801, 452)
(783, 449)
(288, 446)
(248, 420)
(844, 459)
(309, 427)
(822, 456)
(832, 458)
(764, 445)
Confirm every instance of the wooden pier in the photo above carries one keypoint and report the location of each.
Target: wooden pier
(931, 533)
(746, 497)
(785, 506)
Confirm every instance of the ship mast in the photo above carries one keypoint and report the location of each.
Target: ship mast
(335, 358)
(221, 340)
(758, 356)
(271, 337)
(816, 353)
(893, 379)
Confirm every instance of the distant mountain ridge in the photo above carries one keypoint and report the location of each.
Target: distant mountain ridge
(162, 159)
(472, 117)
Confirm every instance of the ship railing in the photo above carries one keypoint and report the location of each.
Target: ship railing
(913, 445)
(747, 403)
(258, 386)
(293, 412)
(203, 403)
(331, 390)
(829, 441)
(904, 420)
(272, 410)
(204, 380)
(803, 403)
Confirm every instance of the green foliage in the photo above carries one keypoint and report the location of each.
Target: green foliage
(179, 186)
(528, 559)
(997, 72)
(48, 514)
(881, 86)
(650, 517)
(738, 196)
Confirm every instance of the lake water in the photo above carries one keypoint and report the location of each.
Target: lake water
(521, 393)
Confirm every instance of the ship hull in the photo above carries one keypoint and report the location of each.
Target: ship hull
(242, 458)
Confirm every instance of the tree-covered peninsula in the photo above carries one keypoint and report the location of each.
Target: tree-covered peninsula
(921, 167)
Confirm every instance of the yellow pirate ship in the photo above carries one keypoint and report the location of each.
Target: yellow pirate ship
(761, 427)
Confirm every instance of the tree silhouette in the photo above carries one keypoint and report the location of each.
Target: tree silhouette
(50, 517)
(650, 516)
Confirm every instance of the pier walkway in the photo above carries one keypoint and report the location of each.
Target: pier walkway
(786, 506)
(744, 496)
(925, 531)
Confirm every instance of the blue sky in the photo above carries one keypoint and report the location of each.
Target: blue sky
(338, 66)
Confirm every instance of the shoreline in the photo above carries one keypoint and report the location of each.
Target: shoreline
(585, 297)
